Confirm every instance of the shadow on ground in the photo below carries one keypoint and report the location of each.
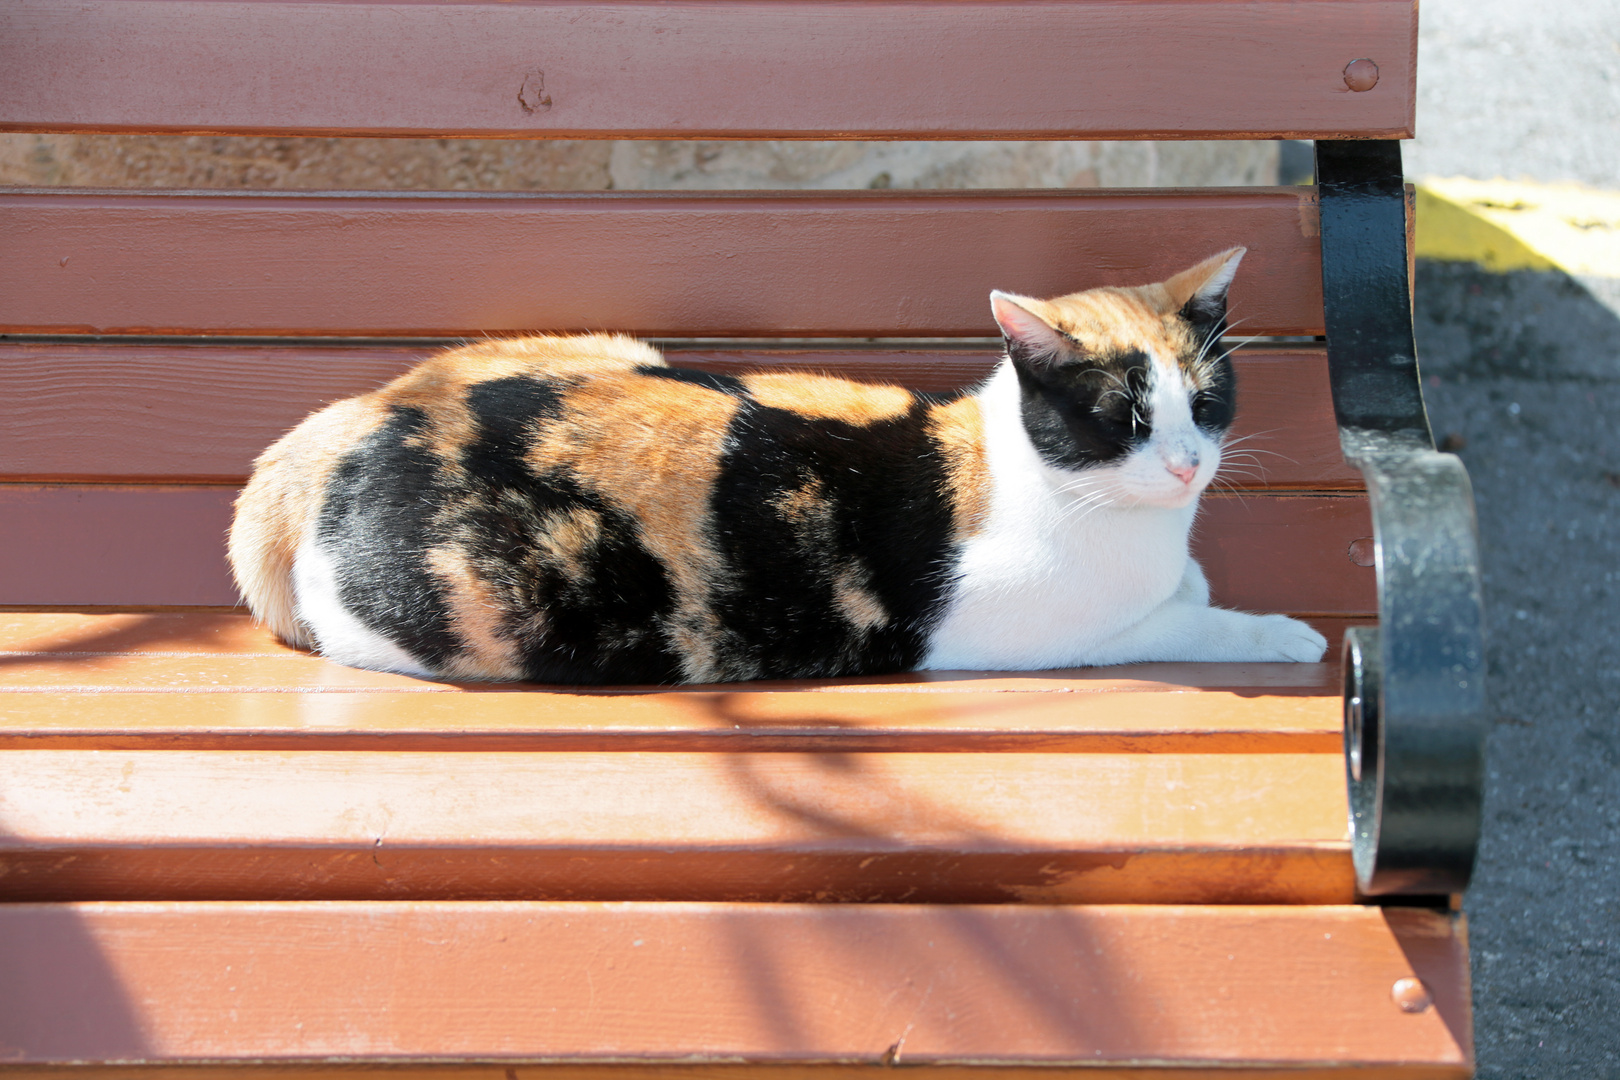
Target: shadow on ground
(1522, 376)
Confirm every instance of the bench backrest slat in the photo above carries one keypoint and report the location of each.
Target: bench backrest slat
(194, 412)
(711, 68)
(690, 264)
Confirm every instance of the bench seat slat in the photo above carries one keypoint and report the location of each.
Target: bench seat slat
(113, 545)
(710, 69)
(735, 984)
(860, 264)
(204, 412)
(932, 828)
(1128, 720)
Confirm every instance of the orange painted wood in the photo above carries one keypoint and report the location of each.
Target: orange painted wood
(711, 69)
(655, 984)
(1245, 720)
(164, 545)
(111, 681)
(930, 828)
(706, 264)
(71, 635)
(76, 411)
(550, 1071)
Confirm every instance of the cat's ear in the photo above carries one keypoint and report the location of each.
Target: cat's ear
(1199, 292)
(1030, 338)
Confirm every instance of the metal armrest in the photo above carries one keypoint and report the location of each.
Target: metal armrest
(1415, 686)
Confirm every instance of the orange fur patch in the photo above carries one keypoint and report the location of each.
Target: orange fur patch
(958, 428)
(438, 387)
(825, 398)
(653, 447)
(475, 617)
(856, 602)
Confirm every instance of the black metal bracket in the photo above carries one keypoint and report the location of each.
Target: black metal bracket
(1415, 686)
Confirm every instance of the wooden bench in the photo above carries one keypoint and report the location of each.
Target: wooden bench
(220, 854)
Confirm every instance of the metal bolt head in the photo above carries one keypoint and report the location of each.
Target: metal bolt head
(1361, 75)
(1411, 995)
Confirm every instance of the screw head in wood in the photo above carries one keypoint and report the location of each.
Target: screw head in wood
(1411, 995)
(1361, 75)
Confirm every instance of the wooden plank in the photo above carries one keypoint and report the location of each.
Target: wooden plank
(523, 1071)
(203, 412)
(1249, 721)
(74, 634)
(711, 69)
(658, 984)
(883, 264)
(870, 827)
(164, 545)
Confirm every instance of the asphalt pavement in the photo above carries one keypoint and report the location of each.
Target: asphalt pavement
(1523, 375)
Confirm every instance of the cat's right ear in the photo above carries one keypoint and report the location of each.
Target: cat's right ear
(1030, 339)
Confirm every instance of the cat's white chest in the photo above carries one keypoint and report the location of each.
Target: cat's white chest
(1053, 575)
(1038, 594)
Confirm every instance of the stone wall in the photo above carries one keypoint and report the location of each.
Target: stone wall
(180, 161)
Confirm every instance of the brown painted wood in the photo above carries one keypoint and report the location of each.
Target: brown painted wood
(711, 69)
(190, 412)
(572, 983)
(859, 264)
(549, 1071)
(865, 827)
(139, 545)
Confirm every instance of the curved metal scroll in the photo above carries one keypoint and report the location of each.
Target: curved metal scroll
(1414, 687)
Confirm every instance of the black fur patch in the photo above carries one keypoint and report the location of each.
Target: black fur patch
(725, 384)
(595, 620)
(1086, 410)
(375, 525)
(804, 503)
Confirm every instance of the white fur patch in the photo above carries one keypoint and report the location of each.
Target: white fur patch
(1091, 567)
(1066, 561)
(339, 636)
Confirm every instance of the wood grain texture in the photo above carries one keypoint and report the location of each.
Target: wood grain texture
(711, 69)
(108, 682)
(164, 545)
(45, 635)
(860, 264)
(1247, 720)
(643, 984)
(193, 412)
(826, 827)
(258, 1070)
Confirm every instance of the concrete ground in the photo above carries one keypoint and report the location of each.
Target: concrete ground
(1524, 371)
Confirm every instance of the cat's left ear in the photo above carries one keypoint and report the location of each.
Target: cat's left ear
(1199, 292)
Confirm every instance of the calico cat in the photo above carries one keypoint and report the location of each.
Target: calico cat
(574, 510)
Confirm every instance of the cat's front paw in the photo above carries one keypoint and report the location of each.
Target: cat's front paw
(1277, 637)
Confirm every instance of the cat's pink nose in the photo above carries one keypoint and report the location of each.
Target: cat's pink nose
(1183, 472)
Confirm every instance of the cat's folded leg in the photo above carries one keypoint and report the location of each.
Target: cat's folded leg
(1179, 630)
(1194, 587)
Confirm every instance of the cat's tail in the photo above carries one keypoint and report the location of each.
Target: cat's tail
(276, 513)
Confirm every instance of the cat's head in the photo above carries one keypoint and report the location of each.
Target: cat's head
(1129, 388)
